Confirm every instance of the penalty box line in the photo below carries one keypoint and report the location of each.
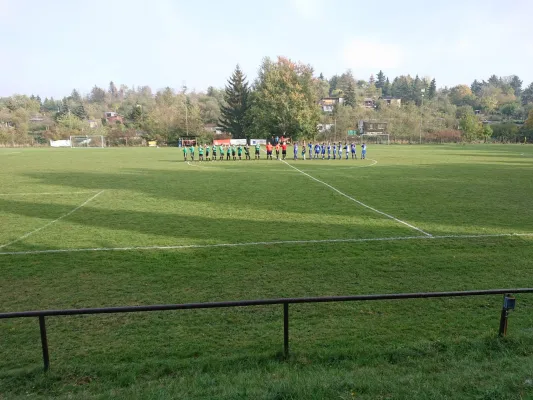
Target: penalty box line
(272, 243)
(52, 222)
(359, 202)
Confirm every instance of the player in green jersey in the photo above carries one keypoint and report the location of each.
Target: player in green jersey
(184, 153)
(214, 152)
(200, 153)
(239, 152)
(228, 153)
(234, 152)
(247, 151)
(221, 149)
(257, 151)
(191, 150)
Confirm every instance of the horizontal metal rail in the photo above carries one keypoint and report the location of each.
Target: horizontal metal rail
(262, 302)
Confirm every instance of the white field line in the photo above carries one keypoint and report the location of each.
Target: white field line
(52, 222)
(45, 193)
(272, 243)
(374, 162)
(359, 202)
(198, 166)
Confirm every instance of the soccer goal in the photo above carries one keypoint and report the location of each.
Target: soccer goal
(87, 141)
(377, 138)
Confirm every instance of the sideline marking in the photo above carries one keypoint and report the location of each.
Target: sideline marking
(44, 193)
(358, 202)
(277, 242)
(51, 222)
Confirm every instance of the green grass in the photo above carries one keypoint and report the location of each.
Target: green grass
(416, 349)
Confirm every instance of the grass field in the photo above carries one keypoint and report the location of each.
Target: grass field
(109, 227)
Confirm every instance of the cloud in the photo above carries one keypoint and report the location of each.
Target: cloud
(307, 9)
(368, 53)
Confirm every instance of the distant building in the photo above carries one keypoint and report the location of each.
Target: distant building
(369, 103)
(391, 101)
(217, 130)
(328, 103)
(112, 117)
(324, 127)
(36, 118)
(93, 123)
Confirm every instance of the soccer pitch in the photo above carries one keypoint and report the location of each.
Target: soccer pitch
(137, 226)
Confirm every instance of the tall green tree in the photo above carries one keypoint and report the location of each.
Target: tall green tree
(432, 91)
(380, 80)
(234, 115)
(284, 100)
(79, 111)
(386, 89)
(471, 127)
(97, 95)
(516, 84)
(349, 95)
(527, 95)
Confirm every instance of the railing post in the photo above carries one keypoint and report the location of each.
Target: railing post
(44, 343)
(508, 304)
(286, 330)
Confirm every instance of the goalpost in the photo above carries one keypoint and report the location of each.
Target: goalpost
(87, 141)
(377, 138)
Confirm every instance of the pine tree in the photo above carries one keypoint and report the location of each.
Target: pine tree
(64, 109)
(136, 115)
(380, 82)
(371, 81)
(113, 92)
(321, 76)
(349, 95)
(234, 116)
(386, 89)
(79, 111)
(432, 91)
(75, 96)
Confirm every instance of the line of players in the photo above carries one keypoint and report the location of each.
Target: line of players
(232, 152)
(321, 150)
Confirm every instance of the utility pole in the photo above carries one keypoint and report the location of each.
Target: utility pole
(421, 112)
(186, 119)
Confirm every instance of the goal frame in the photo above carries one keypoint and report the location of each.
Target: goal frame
(376, 135)
(86, 138)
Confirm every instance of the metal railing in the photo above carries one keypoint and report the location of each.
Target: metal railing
(508, 304)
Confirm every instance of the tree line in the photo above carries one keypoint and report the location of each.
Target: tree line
(284, 99)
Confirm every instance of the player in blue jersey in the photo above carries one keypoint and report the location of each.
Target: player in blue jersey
(310, 146)
(346, 149)
(329, 150)
(334, 150)
(323, 148)
(363, 151)
(354, 151)
(339, 150)
(295, 148)
(317, 150)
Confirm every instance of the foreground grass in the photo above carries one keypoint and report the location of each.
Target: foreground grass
(413, 349)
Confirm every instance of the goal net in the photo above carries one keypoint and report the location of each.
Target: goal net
(87, 141)
(377, 138)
